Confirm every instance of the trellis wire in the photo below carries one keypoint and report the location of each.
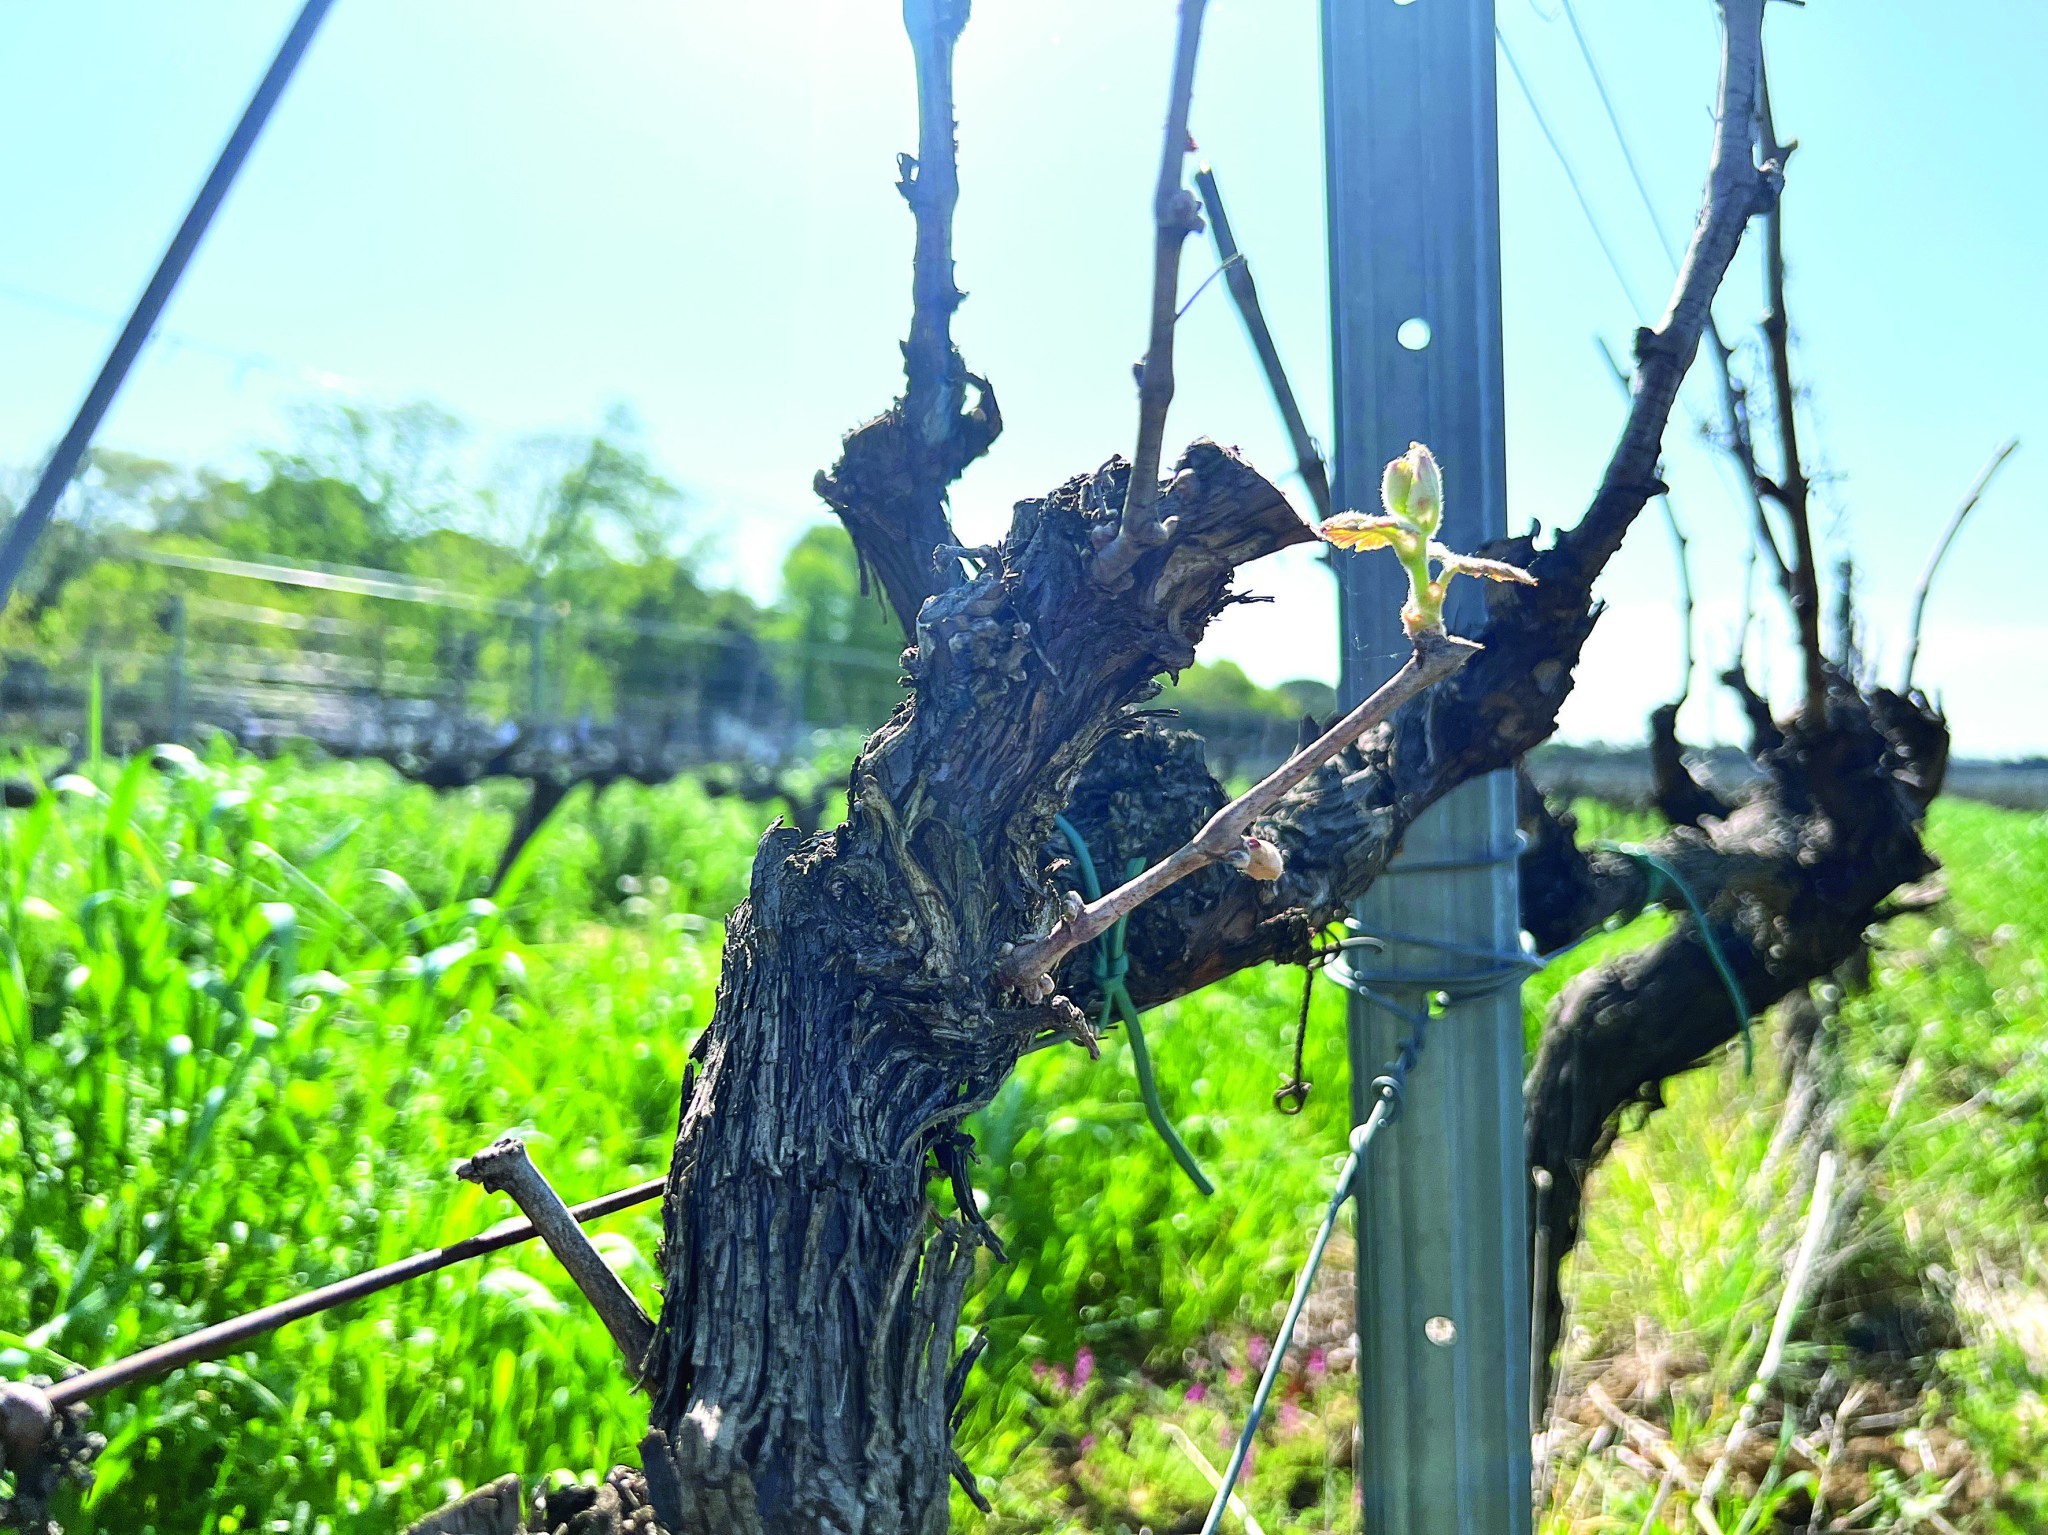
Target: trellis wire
(1388, 1089)
(1391, 1085)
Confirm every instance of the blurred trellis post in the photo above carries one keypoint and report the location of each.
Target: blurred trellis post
(1443, 1302)
(537, 660)
(177, 619)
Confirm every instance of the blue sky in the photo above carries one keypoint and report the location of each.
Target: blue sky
(529, 209)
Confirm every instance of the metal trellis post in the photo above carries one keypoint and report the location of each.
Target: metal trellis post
(1443, 1307)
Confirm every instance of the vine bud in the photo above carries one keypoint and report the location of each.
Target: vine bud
(1258, 859)
(1412, 490)
(1397, 482)
(1426, 498)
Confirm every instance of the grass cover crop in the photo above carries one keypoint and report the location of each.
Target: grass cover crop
(250, 1015)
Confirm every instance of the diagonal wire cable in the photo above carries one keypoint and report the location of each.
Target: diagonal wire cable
(1388, 1090)
(1649, 207)
(1620, 138)
(1571, 174)
(34, 516)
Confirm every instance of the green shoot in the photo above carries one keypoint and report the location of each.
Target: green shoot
(1412, 493)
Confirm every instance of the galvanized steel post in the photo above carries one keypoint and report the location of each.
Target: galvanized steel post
(1443, 1306)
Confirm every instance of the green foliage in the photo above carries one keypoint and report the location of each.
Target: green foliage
(1940, 1069)
(290, 517)
(831, 609)
(249, 1017)
(1221, 687)
(1956, 1035)
(250, 1014)
(580, 524)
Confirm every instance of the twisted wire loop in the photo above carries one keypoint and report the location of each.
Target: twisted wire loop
(1292, 1096)
(1111, 963)
(1661, 881)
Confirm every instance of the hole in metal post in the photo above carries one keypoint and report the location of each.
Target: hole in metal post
(1441, 1331)
(1413, 334)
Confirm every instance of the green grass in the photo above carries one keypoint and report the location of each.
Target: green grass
(250, 1018)
(251, 1014)
(1939, 1308)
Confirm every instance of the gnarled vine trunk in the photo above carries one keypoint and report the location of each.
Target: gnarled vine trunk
(812, 1295)
(812, 1299)
(803, 1379)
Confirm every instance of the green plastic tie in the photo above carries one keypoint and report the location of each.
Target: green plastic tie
(1111, 964)
(1661, 870)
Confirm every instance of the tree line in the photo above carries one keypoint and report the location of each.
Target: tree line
(584, 580)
